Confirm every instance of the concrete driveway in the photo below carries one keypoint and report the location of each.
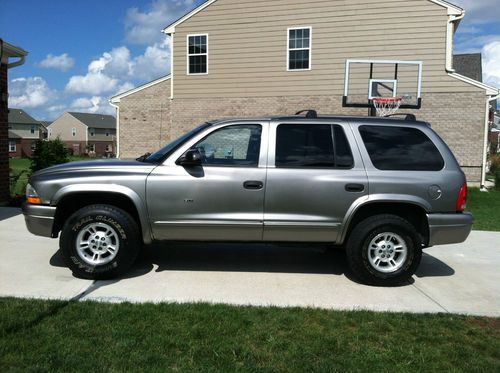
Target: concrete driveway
(462, 278)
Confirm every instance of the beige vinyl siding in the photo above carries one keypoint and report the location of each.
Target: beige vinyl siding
(62, 126)
(247, 45)
(24, 130)
(100, 135)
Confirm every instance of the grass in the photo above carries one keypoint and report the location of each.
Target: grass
(486, 209)
(41, 335)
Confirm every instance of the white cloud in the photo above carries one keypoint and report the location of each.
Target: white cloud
(144, 27)
(62, 62)
(154, 62)
(94, 104)
(29, 92)
(479, 11)
(491, 63)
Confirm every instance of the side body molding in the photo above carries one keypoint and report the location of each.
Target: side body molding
(375, 198)
(113, 189)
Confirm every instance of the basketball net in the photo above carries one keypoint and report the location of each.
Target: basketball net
(386, 106)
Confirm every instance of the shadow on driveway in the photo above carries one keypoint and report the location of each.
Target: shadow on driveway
(9, 212)
(254, 257)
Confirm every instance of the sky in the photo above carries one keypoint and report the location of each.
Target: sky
(81, 52)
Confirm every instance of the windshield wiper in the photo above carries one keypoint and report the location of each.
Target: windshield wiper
(143, 157)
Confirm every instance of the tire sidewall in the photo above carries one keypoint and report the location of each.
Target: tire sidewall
(120, 222)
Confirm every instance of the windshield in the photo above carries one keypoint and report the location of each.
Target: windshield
(164, 152)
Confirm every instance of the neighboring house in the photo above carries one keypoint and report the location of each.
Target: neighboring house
(7, 51)
(24, 132)
(252, 59)
(45, 131)
(85, 134)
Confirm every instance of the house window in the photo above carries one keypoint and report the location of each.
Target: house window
(197, 54)
(92, 148)
(12, 146)
(33, 129)
(107, 134)
(92, 132)
(73, 132)
(33, 146)
(50, 132)
(299, 49)
(109, 148)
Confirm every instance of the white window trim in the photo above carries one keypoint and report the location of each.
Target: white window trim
(33, 129)
(92, 132)
(296, 49)
(12, 146)
(196, 54)
(108, 133)
(73, 132)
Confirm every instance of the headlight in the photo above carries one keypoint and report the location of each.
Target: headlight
(32, 196)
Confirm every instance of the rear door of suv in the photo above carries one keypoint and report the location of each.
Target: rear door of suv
(315, 174)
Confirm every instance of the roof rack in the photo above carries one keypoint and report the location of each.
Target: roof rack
(309, 113)
(408, 117)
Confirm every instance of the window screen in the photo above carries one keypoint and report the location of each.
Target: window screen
(401, 149)
(237, 145)
(197, 54)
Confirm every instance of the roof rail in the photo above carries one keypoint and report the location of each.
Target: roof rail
(309, 113)
(408, 117)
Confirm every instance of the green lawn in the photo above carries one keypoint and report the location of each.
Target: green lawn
(71, 336)
(486, 209)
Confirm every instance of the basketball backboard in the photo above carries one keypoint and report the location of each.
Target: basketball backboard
(366, 79)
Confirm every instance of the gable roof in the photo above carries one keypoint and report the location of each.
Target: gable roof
(452, 9)
(95, 120)
(469, 65)
(116, 99)
(21, 117)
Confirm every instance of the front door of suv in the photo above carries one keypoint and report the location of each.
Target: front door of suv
(314, 176)
(220, 200)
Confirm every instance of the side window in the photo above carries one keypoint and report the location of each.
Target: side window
(304, 145)
(312, 146)
(401, 149)
(237, 145)
(197, 54)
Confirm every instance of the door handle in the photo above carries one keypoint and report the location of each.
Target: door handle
(355, 188)
(253, 184)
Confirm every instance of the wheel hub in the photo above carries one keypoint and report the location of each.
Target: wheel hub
(387, 252)
(97, 244)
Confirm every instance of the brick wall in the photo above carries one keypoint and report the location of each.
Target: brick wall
(145, 122)
(4, 137)
(458, 118)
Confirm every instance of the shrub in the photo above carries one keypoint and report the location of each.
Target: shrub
(48, 153)
(495, 164)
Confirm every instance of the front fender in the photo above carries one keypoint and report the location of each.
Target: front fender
(110, 188)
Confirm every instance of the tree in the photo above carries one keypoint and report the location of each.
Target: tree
(48, 153)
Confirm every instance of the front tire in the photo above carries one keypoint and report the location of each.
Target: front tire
(100, 242)
(384, 250)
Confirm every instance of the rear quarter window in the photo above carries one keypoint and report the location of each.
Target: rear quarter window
(401, 149)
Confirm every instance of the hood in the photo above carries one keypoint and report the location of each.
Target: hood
(96, 165)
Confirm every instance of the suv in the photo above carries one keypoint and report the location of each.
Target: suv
(383, 189)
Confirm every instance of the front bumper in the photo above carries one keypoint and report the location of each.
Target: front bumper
(39, 219)
(447, 229)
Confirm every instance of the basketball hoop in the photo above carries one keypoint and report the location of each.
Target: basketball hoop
(386, 106)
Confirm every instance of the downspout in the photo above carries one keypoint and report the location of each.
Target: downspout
(485, 141)
(450, 31)
(117, 107)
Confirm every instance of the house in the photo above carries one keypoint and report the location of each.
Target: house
(250, 58)
(24, 132)
(85, 133)
(7, 52)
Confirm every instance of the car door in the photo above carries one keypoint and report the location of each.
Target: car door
(314, 176)
(223, 199)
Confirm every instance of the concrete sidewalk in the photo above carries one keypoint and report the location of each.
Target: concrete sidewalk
(462, 278)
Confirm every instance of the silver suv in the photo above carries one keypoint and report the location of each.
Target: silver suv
(383, 189)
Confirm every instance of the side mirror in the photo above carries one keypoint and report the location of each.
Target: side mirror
(191, 158)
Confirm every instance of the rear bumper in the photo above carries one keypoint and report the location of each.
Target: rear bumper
(449, 228)
(39, 219)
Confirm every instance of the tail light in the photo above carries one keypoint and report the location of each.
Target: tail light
(462, 198)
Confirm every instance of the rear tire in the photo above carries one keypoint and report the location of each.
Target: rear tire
(384, 250)
(100, 242)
